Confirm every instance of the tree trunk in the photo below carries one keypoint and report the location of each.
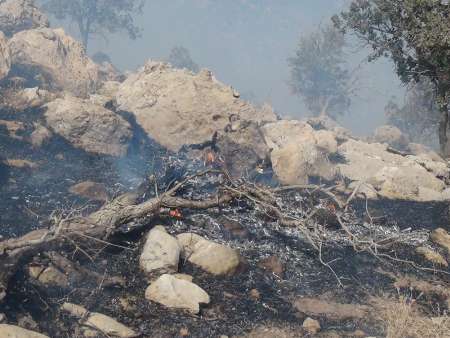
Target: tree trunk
(444, 129)
(84, 32)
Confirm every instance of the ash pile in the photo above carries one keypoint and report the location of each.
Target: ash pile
(160, 204)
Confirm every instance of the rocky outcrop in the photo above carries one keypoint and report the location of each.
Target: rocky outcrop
(11, 331)
(176, 293)
(161, 252)
(392, 175)
(50, 58)
(19, 15)
(300, 152)
(5, 57)
(212, 257)
(88, 126)
(176, 107)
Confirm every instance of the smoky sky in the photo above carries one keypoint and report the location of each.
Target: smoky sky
(246, 43)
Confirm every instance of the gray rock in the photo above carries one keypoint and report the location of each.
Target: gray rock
(161, 252)
(88, 126)
(177, 293)
(214, 258)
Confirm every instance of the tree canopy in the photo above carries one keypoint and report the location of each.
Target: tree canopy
(415, 34)
(98, 17)
(419, 115)
(319, 74)
(180, 57)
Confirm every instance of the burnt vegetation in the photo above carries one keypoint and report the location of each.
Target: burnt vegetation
(161, 204)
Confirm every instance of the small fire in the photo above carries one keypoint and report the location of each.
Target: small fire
(210, 158)
(175, 213)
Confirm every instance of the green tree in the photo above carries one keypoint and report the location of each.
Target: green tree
(319, 74)
(415, 34)
(98, 17)
(419, 115)
(180, 57)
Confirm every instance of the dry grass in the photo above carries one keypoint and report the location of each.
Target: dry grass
(402, 319)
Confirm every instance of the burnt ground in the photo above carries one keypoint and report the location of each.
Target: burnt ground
(29, 196)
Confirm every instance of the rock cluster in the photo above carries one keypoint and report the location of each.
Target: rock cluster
(160, 257)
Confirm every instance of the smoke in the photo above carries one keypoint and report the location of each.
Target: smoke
(246, 44)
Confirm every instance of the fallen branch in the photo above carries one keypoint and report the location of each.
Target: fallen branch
(98, 226)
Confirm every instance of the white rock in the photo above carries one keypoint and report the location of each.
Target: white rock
(11, 331)
(214, 258)
(161, 252)
(100, 322)
(177, 293)
(88, 126)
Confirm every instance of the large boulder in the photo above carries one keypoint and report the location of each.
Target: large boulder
(49, 57)
(19, 15)
(299, 152)
(176, 107)
(5, 57)
(393, 176)
(88, 126)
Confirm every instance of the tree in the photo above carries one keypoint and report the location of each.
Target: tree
(180, 57)
(415, 34)
(98, 16)
(318, 72)
(419, 115)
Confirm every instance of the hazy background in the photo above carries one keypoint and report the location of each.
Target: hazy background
(246, 44)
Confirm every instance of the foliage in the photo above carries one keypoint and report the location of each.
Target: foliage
(98, 16)
(415, 34)
(419, 116)
(180, 57)
(318, 72)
